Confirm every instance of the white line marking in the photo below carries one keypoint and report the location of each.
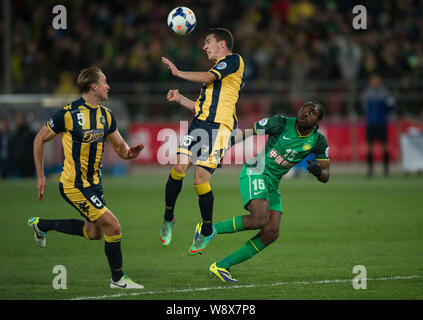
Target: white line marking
(229, 286)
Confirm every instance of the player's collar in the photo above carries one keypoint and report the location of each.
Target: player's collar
(223, 57)
(89, 105)
(300, 135)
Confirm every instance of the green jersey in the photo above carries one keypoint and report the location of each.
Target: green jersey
(284, 148)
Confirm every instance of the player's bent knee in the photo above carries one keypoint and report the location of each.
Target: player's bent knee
(259, 210)
(91, 231)
(109, 224)
(256, 221)
(201, 176)
(269, 236)
(95, 236)
(273, 236)
(262, 220)
(182, 166)
(115, 229)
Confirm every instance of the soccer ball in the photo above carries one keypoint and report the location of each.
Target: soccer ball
(181, 20)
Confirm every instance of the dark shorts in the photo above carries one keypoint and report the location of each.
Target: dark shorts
(205, 143)
(376, 132)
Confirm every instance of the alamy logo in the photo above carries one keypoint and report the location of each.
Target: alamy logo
(60, 21)
(360, 280)
(197, 143)
(360, 20)
(60, 281)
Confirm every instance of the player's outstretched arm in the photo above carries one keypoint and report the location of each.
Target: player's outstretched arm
(319, 169)
(199, 77)
(175, 96)
(121, 148)
(41, 138)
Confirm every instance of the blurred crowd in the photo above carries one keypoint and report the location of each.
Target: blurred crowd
(288, 47)
(283, 40)
(16, 150)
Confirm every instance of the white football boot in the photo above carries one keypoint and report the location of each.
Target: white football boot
(125, 283)
(39, 236)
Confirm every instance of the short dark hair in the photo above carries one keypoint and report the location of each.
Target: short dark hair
(223, 34)
(87, 77)
(321, 108)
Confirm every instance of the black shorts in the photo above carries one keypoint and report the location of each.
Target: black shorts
(377, 132)
(205, 143)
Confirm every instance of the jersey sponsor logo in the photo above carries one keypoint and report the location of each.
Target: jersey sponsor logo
(221, 65)
(327, 152)
(273, 154)
(51, 123)
(93, 135)
(263, 122)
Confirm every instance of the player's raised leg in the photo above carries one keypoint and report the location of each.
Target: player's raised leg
(39, 236)
(68, 226)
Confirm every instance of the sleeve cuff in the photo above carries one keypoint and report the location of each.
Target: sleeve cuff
(50, 128)
(217, 74)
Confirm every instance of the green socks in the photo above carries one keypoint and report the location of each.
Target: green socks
(229, 226)
(249, 250)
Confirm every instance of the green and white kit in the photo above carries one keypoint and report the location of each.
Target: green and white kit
(285, 146)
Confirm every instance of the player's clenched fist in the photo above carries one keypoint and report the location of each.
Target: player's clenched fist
(314, 168)
(173, 96)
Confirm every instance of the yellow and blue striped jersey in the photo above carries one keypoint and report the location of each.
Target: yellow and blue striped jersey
(84, 129)
(218, 98)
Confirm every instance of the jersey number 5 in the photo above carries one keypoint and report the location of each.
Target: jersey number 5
(96, 201)
(81, 119)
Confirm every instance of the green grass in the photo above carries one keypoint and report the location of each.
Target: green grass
(326, 230)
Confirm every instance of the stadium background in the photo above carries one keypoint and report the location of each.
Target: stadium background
(293, 51)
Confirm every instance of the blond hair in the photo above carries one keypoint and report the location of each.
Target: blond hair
(87, 77)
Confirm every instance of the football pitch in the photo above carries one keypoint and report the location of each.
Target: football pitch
(326, 230)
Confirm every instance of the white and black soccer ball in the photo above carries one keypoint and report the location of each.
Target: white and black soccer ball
(181, 20)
